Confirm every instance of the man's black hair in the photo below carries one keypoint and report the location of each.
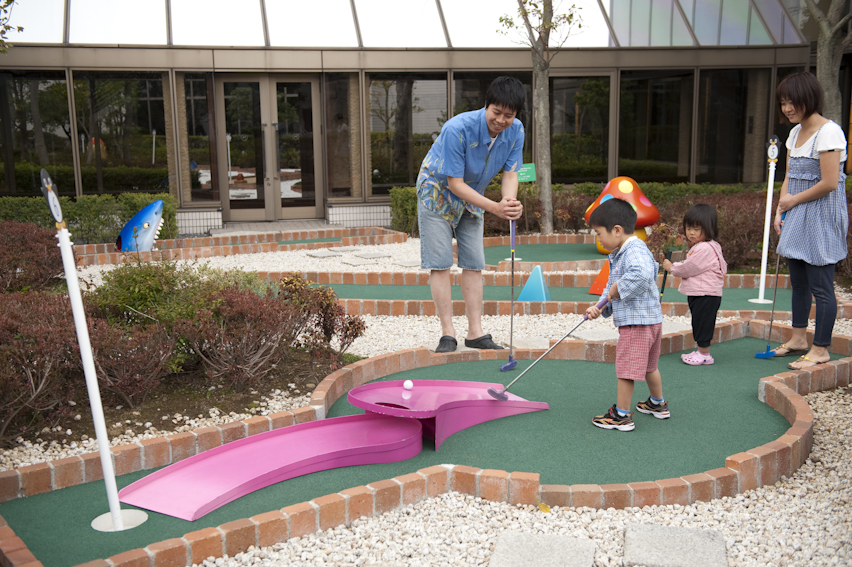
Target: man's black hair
(507, 92)
(614, 212)
(704, 217)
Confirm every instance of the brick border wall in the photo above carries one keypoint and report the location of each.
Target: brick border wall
(743, 471)
(209, 246)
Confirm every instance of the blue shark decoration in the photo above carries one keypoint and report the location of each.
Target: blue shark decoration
(140, 232)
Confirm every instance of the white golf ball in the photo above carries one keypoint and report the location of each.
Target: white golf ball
(408, 384)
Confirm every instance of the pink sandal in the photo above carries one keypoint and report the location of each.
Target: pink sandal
(695, 358)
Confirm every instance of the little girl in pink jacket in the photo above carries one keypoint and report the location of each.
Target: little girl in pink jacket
(702, 278)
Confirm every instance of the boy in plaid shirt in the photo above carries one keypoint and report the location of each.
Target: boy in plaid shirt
(634, 303)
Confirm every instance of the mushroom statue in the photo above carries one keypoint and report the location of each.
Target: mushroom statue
(626, 189)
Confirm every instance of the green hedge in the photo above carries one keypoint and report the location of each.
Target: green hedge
(661, 193)
(117, 179)
(404, 210)
(91, 219)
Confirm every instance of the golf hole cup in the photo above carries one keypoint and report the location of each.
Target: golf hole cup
(408, 384)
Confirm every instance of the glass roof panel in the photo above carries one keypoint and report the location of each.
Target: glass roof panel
(757, 34)
(640, 23)
(734, 22)
(773, 15)
(704, 15)
(118, 21)
(390, 23)
(42, 21)
(216, 22)
(295, 23)
(790, 33)
(468, 28)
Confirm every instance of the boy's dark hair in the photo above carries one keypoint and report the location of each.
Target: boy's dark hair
(704, 217)
(507, 92)
(614, 212)
(803, 90)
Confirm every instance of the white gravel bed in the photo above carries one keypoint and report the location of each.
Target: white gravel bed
(29, 453)
(800, 521)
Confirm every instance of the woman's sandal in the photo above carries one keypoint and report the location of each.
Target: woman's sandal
(790, 351)
(809, 362)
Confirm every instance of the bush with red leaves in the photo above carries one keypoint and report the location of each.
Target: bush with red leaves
(29, 257)
(130, 362)
(38, 351)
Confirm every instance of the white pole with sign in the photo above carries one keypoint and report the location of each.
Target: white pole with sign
(772, 153)
(117, 519)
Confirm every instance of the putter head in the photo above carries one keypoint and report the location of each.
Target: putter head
(509, 365)
(768, 354)
(498, 395)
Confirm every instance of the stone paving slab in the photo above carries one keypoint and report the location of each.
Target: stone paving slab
(408, 263)
(372, 255)
(607, 334)
(515, 549)
(324, 253)
(357, 261)
(670, 546)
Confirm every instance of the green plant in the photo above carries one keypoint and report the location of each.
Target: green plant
(29, 257)
(404, 210)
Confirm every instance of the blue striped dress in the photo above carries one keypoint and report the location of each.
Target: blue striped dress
(814, 231)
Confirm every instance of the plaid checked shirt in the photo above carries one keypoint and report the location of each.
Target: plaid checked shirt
(633, 267)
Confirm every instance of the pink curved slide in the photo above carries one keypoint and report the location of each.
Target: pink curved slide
(392, 430)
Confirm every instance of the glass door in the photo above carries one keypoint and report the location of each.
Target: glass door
(296, 173)
(268, 147)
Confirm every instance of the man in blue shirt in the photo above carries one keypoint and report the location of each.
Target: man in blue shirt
(471, 149)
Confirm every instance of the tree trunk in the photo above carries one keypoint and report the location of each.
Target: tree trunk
(38, 132)
(402, 132)
(541, 111)
(828, 75)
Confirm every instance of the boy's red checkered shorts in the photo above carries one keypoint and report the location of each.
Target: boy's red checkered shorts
(638, 350)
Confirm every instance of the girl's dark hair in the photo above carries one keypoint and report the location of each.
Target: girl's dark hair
(507, 92)
(705, 217)
(803, 90)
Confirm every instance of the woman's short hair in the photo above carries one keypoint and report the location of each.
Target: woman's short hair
(803, 91)
(703, 216)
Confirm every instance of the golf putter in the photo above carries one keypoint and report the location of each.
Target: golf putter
(512, 362)
(502, 396)
(770, 352)
(665, 274)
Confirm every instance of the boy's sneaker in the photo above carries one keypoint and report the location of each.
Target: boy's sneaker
(659, 411)
(611, 420)
(696, 358)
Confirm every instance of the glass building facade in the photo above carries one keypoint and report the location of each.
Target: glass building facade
(286, 109)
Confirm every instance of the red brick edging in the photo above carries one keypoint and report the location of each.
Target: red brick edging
(743, 471)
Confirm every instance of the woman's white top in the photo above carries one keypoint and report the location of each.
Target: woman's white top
(831, 137)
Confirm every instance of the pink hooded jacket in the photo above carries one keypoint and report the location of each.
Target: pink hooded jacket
(703, 271)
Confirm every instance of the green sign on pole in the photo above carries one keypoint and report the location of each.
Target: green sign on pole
(526, 173)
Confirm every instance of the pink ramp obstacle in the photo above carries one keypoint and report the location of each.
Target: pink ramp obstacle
(443, 406)
(195, 486)
(392, 430)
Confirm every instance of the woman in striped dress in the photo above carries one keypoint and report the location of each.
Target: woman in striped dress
(814, 197)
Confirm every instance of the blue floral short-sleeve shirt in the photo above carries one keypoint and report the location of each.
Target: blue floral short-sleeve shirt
(461, 150)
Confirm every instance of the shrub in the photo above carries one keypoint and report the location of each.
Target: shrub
(404, 210)
(29, 257)
(38, 349)
(145, 292)
(130, 362)
(91, 218)
(243, 337)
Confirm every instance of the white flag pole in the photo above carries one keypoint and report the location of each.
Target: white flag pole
(117, 519)
(772, 153)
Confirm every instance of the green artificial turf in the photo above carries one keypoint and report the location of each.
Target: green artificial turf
(731, 298)
(543, 253)
(715, 413)
(310, 240)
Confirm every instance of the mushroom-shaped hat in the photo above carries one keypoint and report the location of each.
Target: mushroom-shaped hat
(627, 189)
